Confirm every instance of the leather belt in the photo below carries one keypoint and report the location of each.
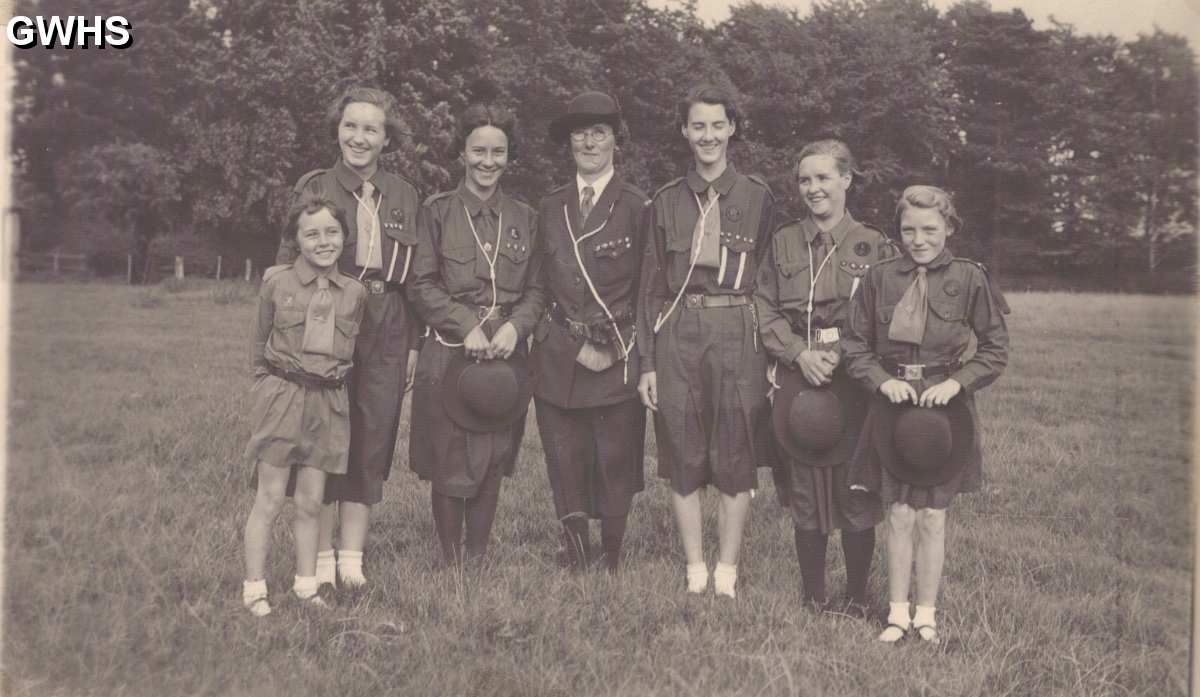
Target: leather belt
(599, 333)
(312, 382)
(378, 287)
(696, 301)
(918, 371)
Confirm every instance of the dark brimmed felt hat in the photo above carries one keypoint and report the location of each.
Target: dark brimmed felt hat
(925, 446)
(808, 421)
(584, 110)
(486, 396)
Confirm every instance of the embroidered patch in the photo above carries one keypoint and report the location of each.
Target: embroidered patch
(398, 214)
(733, 213)
(512, 232)
(862, 249)
(952, 287)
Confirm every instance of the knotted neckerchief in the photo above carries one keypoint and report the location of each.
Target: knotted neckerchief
(908, 319)
(706, 236)
(369, 250)
(319, 320)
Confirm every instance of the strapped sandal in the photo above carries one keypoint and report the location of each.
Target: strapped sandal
(903, 634)
(928, 634)
(259, 607)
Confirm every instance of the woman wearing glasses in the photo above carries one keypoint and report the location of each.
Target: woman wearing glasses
(585, 370)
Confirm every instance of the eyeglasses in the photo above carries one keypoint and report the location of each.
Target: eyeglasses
(598, 134)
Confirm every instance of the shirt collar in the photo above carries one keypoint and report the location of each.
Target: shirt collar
(474, 204)
(838, 232)
(597, 186)
(350, 180)
(722, 183)
(907, 264)
(307, 274)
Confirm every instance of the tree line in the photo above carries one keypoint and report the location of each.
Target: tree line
(1073, 156)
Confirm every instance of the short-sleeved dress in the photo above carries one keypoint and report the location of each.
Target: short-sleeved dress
(294, 423)
(962, 301)
(451, 288)
(390, 327)
(711, 423)
(592, 424)
(799, 261)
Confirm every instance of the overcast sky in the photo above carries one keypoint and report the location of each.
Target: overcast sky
(1124, 18)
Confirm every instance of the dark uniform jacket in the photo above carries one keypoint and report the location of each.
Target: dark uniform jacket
(747, 219)
(610, 246)
(451, 279)
(961, 301)
(783, 282)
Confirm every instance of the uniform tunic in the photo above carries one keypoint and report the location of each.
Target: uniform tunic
(794, 260)
(962, 302)
(292, 424)
(451, 289)
(712, 409)
(390, 328)
(592, 424)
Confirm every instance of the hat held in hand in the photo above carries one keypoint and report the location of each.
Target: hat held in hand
(808, 421)
(487, 395)
(926, 446)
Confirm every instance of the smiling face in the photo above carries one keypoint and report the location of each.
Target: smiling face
(320, 236)
(362, 136)
(592, 147)
(708, 130)
(823, 187)
(485, 156)
(923, 232)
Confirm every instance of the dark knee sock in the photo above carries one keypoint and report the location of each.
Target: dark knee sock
(810, 552)
(858, 547)
(612, 532)
(448, 522)
(577, 538)
(481, 513)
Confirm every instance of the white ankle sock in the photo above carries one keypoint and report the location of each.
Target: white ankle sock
(304, 587)
(925, 616)
(898, 615)
(349, 566)
(724, 579)
(697, 577)
(326, 567)
(254, 597)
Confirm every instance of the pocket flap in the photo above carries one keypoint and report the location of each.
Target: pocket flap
(347, 326)
(948, 310)
(288, 318)
(463, 253)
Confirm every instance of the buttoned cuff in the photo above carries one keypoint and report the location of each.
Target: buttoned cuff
(793, 352)
(465, 319)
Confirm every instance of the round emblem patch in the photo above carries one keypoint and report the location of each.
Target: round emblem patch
(951, 287)
(733, 213)
(862, 249)
(397, 214)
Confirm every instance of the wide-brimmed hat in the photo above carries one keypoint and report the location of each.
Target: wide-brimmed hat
(486, 396)
(584, 110)
(925, 446)
(808, 421)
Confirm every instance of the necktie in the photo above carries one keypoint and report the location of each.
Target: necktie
(319, 320)
(368, 253)
(908, 319)
(824, 240)
(706, 237)
(585, 203)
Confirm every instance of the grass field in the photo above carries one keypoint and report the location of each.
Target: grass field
(1068, 575)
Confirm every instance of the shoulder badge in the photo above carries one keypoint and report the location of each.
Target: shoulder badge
(862, 249)
(732, 213)
(303, 181)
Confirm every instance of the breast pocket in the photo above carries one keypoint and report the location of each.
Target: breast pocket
(289, 322)
(679, 250)
(947, 323)
(512, 261)
(616, 260)
(458, 268)
(792, 278)
(343, 339)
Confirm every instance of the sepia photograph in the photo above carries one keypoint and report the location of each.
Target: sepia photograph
(612, 348)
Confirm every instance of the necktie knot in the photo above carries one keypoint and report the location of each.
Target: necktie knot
(824, 239)
(368, 190)
(368, 251)
(586, 201)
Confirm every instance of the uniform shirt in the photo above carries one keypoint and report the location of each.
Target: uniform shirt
(398, 207)
(450, 281)
(283, 302)
(962, 301)
(598, 187)
(783, 281)
(611, 241)
(747, 219)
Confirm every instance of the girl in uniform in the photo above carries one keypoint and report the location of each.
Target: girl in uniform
(703, 370)
(476, 284)
(381, 210)
(303, 347)
(585, 371)
(909, 330)
(814, 267)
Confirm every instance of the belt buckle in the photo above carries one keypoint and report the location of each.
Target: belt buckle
(693, 301)
(829, 335)
(375, 287)
(913, 371)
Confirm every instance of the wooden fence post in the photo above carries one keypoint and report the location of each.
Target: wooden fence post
(248, 267)
(179, 268)
(218, 267)
(128, 269)
(54, 256)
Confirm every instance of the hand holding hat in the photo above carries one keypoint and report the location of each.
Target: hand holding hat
(504, 341)
(940, 394)
(817, 365)
(476, 344)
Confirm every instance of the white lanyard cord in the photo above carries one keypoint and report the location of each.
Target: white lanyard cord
(491, 262)
(374, 227)
(625, 348)
(812, 284)
(694, 255)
